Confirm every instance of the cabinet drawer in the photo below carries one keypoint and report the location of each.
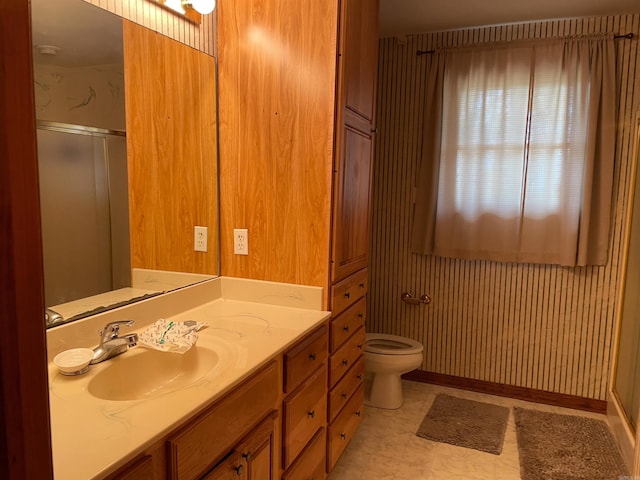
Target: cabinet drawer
(304, 358)
(311, 463)
(341, 393)
(208, 439)
(346, 356)
(343, 325)
(348, 291)
(304, 412)
(341, 431)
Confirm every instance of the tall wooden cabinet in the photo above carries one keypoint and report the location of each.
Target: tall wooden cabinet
(355, 116)
(354, 140)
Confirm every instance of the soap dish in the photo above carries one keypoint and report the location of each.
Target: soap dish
(74, 361)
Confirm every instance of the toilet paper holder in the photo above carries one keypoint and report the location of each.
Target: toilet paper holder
(408, 299)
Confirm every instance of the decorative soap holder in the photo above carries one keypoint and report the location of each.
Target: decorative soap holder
(74, 361)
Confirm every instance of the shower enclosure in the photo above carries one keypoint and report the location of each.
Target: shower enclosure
(84, 210)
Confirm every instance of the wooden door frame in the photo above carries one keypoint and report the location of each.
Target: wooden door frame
(25, 439)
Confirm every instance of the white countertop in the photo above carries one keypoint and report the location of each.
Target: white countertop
(92, 437)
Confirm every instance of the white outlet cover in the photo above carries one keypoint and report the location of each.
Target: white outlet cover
(200, 239)
(241, 241)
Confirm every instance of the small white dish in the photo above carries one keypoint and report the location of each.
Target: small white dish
(74, 361)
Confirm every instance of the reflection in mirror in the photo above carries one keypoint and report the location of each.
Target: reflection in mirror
(96, 180)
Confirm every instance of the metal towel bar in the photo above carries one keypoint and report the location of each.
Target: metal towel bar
(407, 298)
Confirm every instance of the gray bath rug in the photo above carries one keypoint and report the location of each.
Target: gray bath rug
(552, 446)
(465, 423)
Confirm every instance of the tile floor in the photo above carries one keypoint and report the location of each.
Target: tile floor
(385, 446)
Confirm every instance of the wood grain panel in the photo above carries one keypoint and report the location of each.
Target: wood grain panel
(199, 36)
(277, 64)
(171, 152)
(541, 327)
(25, 445)
(350, 249)
(360, 56)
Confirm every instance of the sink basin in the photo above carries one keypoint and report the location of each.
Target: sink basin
(141, 373)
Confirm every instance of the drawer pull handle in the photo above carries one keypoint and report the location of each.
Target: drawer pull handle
(343, 436)
(359, 377)
(344, 396)
(312, 356)
(247, 456)
(359, 346)
(357, 413)
(361, 315)
(362, 285)
(345, 328)
(345, 362)
(238, 470)
(347, 295)
(311, 414)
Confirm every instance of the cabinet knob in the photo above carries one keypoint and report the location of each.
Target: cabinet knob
(311, 413)
(357, 413)
(247, 456)
(345, 362)
(345, 328)
(344, 396)
(373, 130)
(361, 315)
(347, 295)
(359, 346)
(343, 436)
(359, 377)
(312, 356)
(238, 470)
(362, 285)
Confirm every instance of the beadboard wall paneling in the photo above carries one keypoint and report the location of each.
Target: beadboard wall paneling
(148, 14)
(535, 326)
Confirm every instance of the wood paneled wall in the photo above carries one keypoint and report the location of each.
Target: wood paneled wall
(277, 81)
(171, 150)
(534, 326)
(162, 20)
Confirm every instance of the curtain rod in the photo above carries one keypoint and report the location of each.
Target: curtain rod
(626, 36)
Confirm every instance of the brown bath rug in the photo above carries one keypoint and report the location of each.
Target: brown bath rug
(552, 446)
(465, 423)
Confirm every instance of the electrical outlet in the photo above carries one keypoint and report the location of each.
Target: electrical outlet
(200, 239)
(241, 241)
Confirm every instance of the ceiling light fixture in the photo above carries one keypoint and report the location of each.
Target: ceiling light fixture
(203, 7)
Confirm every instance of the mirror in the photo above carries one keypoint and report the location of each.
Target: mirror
(127, 152)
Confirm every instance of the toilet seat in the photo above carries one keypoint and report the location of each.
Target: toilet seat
(384, 344)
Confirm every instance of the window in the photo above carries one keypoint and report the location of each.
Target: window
(514, 158)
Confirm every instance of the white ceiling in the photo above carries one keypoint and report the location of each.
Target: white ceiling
(416, 16)
(84, 33)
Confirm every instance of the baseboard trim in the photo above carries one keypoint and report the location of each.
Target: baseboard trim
(502, 390)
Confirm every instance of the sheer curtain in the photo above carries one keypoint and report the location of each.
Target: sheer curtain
(518, 149)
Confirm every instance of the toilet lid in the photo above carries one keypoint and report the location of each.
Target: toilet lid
(391, 344)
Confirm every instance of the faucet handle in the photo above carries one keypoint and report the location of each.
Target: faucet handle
(111, 329)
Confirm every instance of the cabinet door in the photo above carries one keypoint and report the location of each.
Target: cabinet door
(352, 180)
(232, 468)
(252, 458)
(359, 56)
(257, 450)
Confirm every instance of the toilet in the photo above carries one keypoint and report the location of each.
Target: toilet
(386, 357)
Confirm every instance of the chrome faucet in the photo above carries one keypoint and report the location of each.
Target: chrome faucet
(111, 344)
(52, 318)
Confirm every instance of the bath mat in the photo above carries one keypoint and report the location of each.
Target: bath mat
(465, 423)
(552, 446)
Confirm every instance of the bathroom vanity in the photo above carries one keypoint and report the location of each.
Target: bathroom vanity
(251, 403)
